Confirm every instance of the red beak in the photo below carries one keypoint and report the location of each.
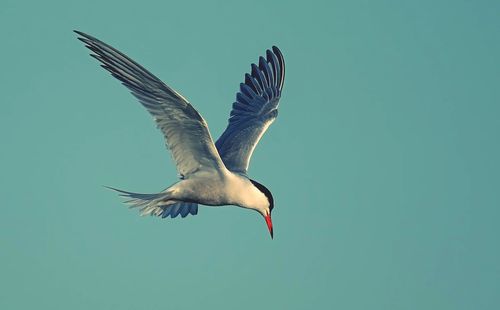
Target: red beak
(269, 224)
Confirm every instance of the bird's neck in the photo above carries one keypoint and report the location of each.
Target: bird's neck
(244, 194)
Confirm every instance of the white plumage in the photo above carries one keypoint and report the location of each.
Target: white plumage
(211, 174)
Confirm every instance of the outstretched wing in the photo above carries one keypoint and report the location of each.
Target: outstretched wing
(186, 132)
(256, 107)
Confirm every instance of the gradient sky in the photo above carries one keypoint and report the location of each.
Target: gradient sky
(383, 161)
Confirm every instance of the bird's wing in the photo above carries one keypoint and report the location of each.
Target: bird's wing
(186, 132)
(182, 208)
(256, 107)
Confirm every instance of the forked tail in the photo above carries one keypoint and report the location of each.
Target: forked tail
(158, 204)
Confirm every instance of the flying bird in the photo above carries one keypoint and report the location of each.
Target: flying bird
(210, 174)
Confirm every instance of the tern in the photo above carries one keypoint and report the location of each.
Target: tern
(210, 174)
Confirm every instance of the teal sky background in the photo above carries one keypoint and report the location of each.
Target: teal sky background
(383, 161)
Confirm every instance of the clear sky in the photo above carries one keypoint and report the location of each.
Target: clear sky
(383, 161)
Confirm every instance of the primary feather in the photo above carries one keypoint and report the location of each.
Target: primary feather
(255, 108)
(201, 163)
(186, 132)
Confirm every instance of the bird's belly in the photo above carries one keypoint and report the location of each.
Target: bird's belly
(207, 191)
(219, 190)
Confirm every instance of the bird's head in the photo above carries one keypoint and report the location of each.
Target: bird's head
(267, 209)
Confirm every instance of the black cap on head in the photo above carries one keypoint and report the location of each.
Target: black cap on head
(266, 192)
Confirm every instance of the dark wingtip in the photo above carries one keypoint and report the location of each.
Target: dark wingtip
(269, 55)
(82, 34)
(281, 60)
(87, 37)
(278, 53)
(262, 61)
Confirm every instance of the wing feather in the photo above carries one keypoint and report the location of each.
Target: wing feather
(186, 132)
(255, 108)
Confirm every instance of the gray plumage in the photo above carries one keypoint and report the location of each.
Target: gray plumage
(256, 107)
(211, 174)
